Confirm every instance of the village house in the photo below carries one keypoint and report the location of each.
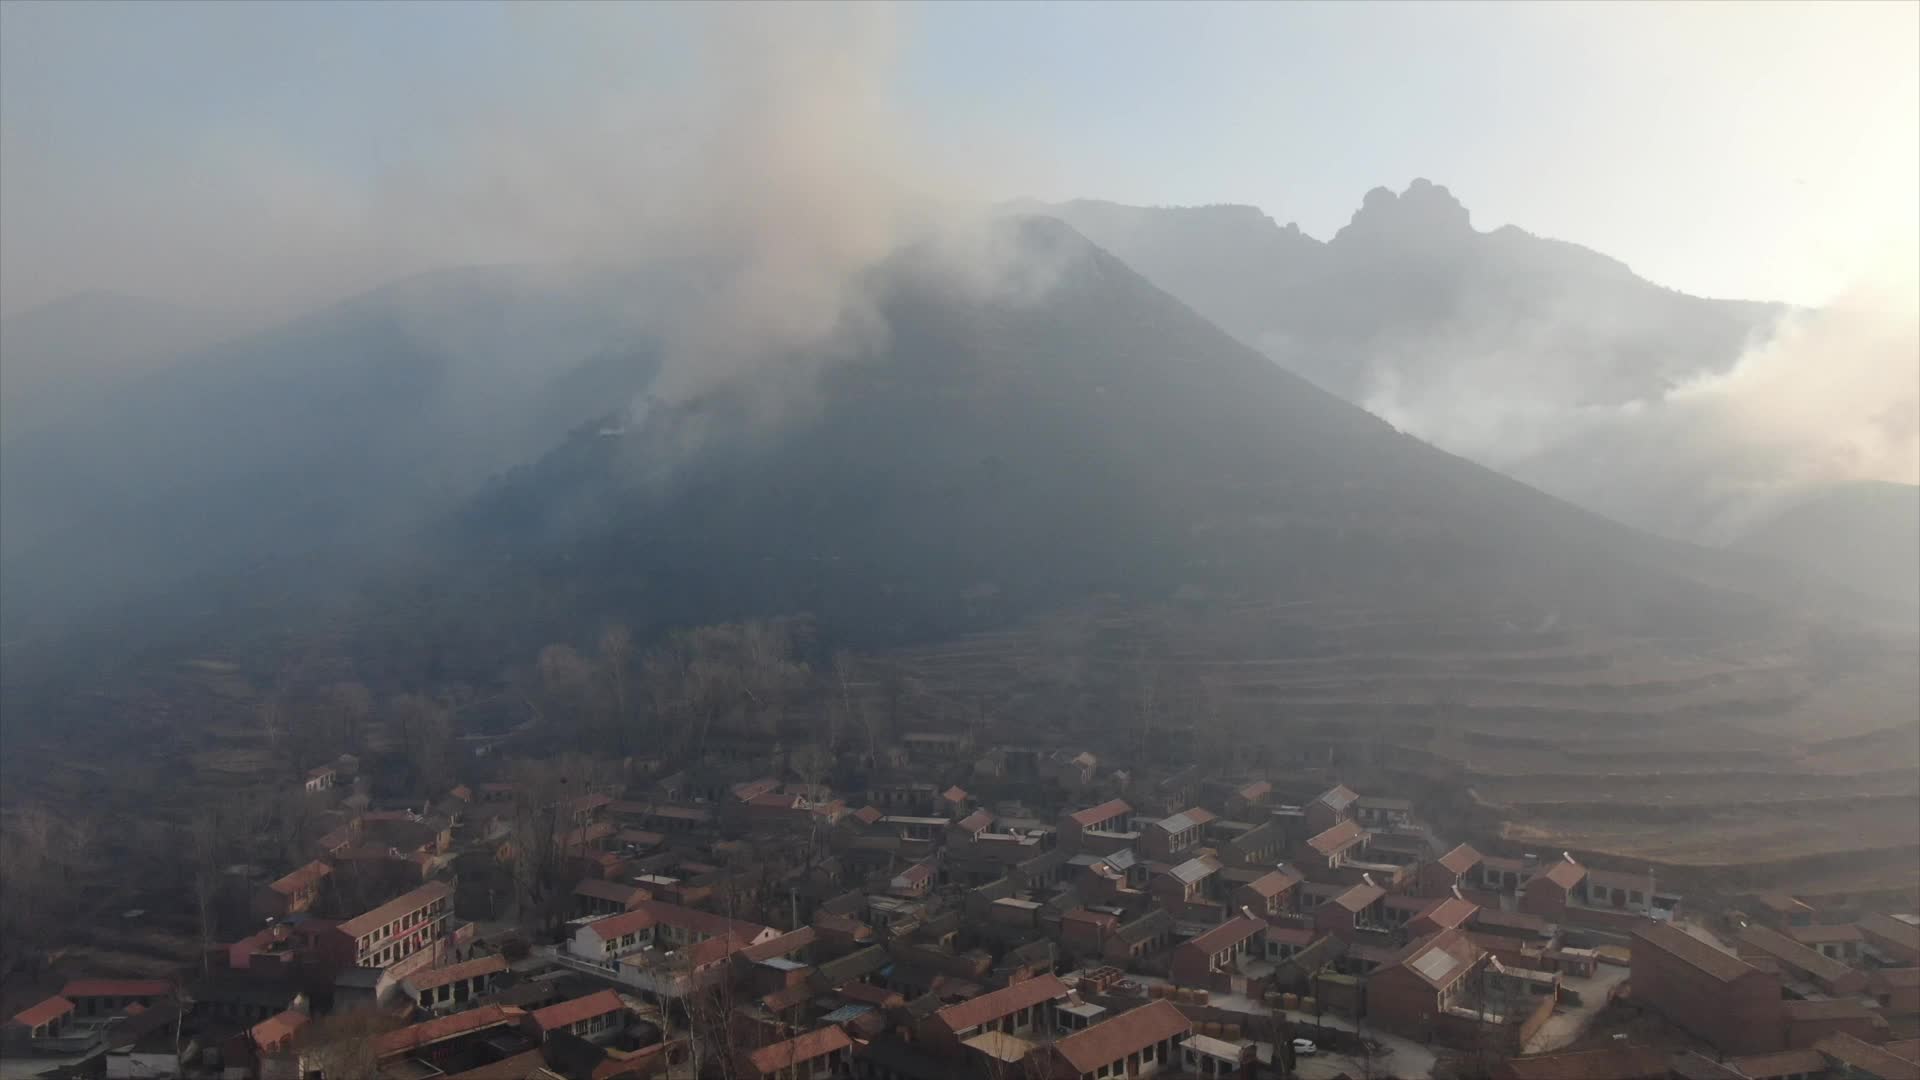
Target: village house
(1355, 912)
(1098, 829)
(1196, 881)
(1713, 995)
(319, 779)
(1760, 945)
(1330, 808)
(595, 896)
(294, 892)
(595, 1017)
(1167, 839)
(112, 997)
(1140, 1042)
(1196, 962)
(1379, 812)
(816, 1055)
(1022, 1009)
(446, 988)
(406, 931)
(1270, 894)
(1459, 869)
(1333, 847)
(48, 1019)
(1414, 993)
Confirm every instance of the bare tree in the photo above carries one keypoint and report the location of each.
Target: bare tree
(204, 838)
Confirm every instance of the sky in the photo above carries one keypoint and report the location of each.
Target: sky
(279, 154)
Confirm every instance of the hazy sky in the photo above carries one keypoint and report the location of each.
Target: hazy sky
(272, 152)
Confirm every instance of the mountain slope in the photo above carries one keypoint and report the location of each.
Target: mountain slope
(1864, 536)
(63, 357)
(1006, 456)
(348, 426)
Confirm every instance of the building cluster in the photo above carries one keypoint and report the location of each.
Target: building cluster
(959, 912)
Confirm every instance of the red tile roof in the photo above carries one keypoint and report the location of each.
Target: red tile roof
(1781, 1063)
(1563, 873)
(1338, 838)
(363, 924)
(1338, 797)
(1622, 1063)
(1441, 959)
(1112, 1040)
(954, 794)
(817, 1043)
(568, 1013)
(867, 815)
(626, 922)
(700, 922)
(1094, 815)
(1697, 954)
(408, 1039)
(1097, 918)
(1273, 883)
(1460, 859)
(51, 1009)
(787, 998)
(453, 973)
(275, 1030)
(1448, 912)
(1359, 897)
(790, 942)
(301, 879)
(1864, 1056)
(1226, 935)
(89, 988)
(976, 1011)
(613, 891)
(978, 821)
(878, 996)
(1788, 951)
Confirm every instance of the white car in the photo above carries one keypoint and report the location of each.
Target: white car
(1304, 1048)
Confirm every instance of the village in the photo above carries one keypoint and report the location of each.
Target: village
(973, 908)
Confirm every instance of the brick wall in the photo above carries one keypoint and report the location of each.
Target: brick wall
(1742, 1017)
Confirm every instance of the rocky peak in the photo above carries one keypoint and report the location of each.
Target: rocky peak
(1425, 212)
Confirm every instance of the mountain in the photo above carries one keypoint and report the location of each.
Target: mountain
(1862, 535)
(60, 358)
(1408, 296)
(1009, 455)
(343, 429)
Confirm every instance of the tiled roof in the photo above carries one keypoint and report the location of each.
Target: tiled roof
(700, 922)
(409, 1039)
(1562, 873)
(1338, 838)
(1783, 1063)
(1152, 924)
(1184, 820)
(1623, 1063)
(1096, 918)
(1902, 933)
(426, 894)
(1338, 797)
(1788, 951)
(275, 1028)
(301, 879)
(954, 794)
(1382, 802)
(35, 1015)
(1816, 935)
(1460, 859)
(1870, 1059)
(976, 1011)
(614, 891)
(626, 922)
(802, 1048)
(1226, 935)
(568, 1013)
(1112, 1040)
(1359, 897)
(978, 821)
(1440, 959)
(1259, 789)
(790, 942)
(1094, 815)
(1697, 954)
(87, 988)
(453, 973)
(1195, 869)
(1449, 912)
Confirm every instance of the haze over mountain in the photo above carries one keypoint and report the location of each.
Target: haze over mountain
(1681, 415)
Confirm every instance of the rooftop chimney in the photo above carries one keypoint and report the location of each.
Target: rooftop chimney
(1456, 893)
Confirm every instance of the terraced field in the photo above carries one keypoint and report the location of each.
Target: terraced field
(1770, 762)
